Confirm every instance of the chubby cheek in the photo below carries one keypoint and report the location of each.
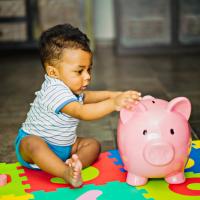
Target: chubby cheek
(75, 85)
(70, 79)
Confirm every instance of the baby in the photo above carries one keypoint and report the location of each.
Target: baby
(47, 139)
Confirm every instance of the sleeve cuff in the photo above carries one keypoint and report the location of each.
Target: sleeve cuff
(64, 104)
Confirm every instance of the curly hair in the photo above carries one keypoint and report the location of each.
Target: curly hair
(62, 36)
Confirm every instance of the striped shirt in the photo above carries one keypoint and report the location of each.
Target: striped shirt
(45, 118)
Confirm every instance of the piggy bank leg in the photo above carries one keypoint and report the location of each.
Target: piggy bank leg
(135, 180)
(176, 178)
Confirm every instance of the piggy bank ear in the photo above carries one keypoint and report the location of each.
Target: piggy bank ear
(181, 105)
(146, 97)
(126, 115)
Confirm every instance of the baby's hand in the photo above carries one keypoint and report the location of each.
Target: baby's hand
(127, 99)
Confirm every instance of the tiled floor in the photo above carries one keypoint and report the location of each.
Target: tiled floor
(160, 76)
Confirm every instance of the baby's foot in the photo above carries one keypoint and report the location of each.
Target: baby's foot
(73, 172)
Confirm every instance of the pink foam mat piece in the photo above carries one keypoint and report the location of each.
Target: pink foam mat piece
(3, 179)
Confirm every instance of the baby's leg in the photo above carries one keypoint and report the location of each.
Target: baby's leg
(87, 149)
(34, 150)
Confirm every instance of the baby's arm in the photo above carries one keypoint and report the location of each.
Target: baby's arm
(97, 96)
(98, 110)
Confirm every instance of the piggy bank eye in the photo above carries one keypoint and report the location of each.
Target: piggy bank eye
(153, 102)
(172, 131)
(144, 132)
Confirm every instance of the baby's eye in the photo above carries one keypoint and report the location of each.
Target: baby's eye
(79, 71)
(89, 70)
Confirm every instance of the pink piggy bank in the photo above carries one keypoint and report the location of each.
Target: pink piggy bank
(154, 140)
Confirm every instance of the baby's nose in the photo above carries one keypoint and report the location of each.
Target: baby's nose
(87, 76)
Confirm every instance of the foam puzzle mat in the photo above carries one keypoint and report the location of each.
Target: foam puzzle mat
(105, 180)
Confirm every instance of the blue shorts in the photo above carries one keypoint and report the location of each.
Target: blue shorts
(63, 152)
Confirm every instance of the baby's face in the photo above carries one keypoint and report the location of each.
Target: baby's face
(75, 69)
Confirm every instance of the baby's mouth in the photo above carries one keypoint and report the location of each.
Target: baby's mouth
(84, 87)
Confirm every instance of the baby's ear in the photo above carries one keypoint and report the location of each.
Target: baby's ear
(52, 71)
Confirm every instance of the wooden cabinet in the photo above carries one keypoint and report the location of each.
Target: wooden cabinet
(17, 19)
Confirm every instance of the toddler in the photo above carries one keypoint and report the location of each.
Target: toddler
(47, 139)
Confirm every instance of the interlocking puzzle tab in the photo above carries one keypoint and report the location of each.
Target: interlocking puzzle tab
(14, 189)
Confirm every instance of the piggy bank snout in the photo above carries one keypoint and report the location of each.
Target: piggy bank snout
(158, 153)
